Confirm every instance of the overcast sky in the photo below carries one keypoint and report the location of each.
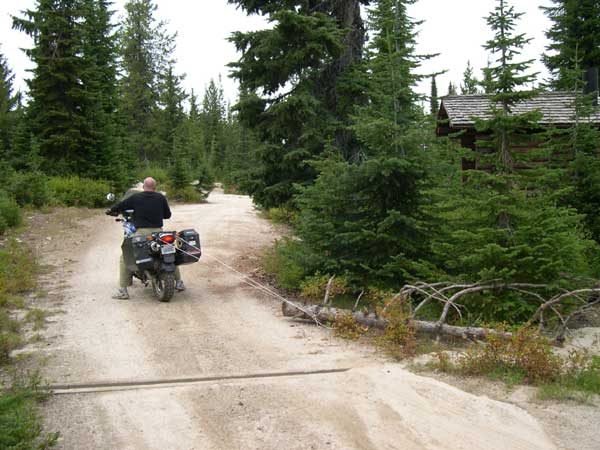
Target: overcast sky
(454, 28)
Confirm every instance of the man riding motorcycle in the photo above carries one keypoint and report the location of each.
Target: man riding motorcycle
(149, 209)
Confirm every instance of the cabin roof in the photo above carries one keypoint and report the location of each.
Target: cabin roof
(557, 109)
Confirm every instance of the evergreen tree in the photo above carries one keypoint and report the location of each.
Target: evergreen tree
(59, 100)
(300, 93)
(452, 89)
(469, 84)
(99, 78)
(146, 51)
(433, 98)
(487, 81)
(389, 77)
(500, 223)
(365, 218)
(213, 119)
(7, 104)
(197, 148)
(575, 32)
(170, 116)
(19, 154)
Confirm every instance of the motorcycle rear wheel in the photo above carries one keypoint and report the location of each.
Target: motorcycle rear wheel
(163, 286)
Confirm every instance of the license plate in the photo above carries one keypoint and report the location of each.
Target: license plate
(167, 249)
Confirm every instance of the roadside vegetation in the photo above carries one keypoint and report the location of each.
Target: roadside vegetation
(20, 392)
(376, 200)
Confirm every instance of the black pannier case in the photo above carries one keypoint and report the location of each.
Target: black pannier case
(137, 254)
(189, 251)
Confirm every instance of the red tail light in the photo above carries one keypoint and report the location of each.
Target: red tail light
(168, 238)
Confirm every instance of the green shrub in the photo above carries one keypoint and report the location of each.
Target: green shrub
(20, 424)
(10, 213)
(526, 355)
(282, 215)
(30, 188)
(81, 192)
(17, 269)
(315, 287)
(156, 171)
(288, 262)
(187, 194)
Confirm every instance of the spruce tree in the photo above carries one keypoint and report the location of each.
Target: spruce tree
(500, 223)
(198, 152)
(300, 90)
(59, 100)
(433, 98)
(364, 218)
(7, 104)
(100, 80)
(170, 115)
(574, 33)
(146, 53)
(213, 119)
(469, 84)
(452, 89)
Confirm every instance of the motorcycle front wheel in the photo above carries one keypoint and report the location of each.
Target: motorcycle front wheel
(163, 286)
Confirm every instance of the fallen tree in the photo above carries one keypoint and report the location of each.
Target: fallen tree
(329, 314)
(417, 295)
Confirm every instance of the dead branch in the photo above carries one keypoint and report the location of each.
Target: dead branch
(558, 299)
(328, 290)
(358, 300)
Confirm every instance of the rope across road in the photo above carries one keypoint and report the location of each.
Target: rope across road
(253, 283)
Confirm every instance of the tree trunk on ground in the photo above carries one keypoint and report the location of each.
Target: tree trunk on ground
(327, 314)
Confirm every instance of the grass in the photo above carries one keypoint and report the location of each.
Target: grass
(527, 358)
(20, 423)
(577, 384)
(37, 317)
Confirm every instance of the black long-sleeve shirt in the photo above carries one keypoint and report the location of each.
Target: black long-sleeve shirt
(150, 208)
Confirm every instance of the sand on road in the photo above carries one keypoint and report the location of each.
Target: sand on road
(221, 327)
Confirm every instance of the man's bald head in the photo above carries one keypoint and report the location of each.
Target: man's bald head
(150, 184)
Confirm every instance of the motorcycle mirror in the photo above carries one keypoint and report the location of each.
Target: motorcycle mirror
(110, 197)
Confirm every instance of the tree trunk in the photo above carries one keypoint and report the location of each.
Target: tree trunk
(327, 314)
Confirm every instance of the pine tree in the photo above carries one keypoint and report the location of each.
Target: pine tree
(58, 96)
(146, 51)
(365, 218)
(100, 80)
(213, 119)
(389, 76)
(300, 93)
(452, 89)
(500, 223)
(7, 104)
(469, 84)
(575, 32)
(198, 152)
(578, 148)
(170, 116)
(433, 98)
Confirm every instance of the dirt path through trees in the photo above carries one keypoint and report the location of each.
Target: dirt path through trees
(222, 327)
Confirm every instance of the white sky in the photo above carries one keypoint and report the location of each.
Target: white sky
(454, 28)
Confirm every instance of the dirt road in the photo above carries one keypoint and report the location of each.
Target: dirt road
(222, 327)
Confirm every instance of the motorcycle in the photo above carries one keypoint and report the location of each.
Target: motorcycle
(153, 258)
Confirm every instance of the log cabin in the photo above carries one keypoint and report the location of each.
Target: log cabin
(458, 113)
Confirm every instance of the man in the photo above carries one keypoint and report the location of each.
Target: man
(149, 209)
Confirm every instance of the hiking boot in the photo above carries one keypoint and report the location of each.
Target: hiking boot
(121, 294)
(179, 286)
